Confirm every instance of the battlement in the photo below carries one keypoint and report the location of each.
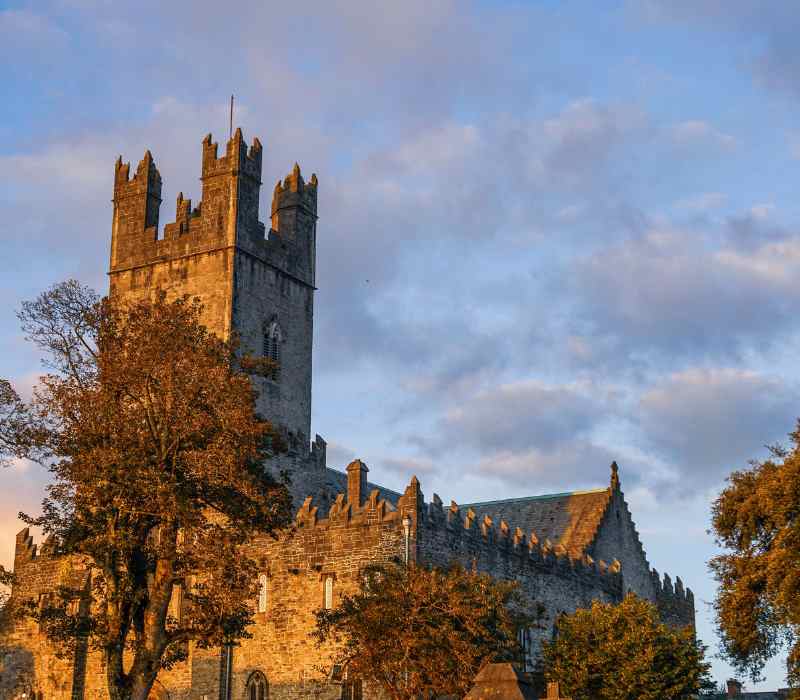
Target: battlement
(674, 602)
(294, 221)
(510, 547)
(238, 159)
(26, 550)
(294, 191)
(136, 204)
(665, 587)
(146, 179)
(505, 547)
(226, 215)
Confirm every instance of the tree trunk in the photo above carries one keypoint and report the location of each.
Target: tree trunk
(128, 686)
(142, 686)
(117, 681)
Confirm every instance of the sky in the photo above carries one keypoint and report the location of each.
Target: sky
(552, 234)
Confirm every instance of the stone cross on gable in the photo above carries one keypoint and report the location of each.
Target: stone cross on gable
(554, 692)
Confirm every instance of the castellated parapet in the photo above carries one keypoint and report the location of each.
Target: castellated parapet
(337, 542)
(254, 282)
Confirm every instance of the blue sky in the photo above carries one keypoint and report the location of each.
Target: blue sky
(578, 222)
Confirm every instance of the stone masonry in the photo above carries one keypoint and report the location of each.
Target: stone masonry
(250, 282)
(565, 550)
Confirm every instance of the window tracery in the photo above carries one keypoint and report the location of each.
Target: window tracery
(257, 687)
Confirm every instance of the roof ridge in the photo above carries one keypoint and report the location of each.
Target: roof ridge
(542, 497)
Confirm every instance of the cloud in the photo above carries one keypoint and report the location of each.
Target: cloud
(339, 456)
(682, 291)
(583, 137)
(574, 463)
(83, 166)
(521, 416)
(708, 422)
(695, 133)
(408, 467)
(768, 31)
(774, 265)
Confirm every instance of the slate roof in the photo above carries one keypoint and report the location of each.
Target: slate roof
(570, 519)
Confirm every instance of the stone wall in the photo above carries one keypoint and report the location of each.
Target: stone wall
(247, 278)
(360, 527)
(547, 575)
(617, 538)
(29, 662)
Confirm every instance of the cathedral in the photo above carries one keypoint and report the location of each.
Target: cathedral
(258, 281)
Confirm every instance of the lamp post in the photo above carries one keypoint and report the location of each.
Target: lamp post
(407, 533)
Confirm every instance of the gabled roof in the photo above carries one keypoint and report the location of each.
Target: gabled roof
(570, 519)
(500, 681)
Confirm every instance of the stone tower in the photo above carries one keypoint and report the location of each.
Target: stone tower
(253, 282)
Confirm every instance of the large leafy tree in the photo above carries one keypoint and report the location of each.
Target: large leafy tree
(147, 424)
(422, 632)
(756, 519)
(624, 652)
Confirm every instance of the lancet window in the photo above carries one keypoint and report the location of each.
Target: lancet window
(257, 687)
(273, 337)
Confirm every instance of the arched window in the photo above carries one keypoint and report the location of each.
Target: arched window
(272, 347)
(262, 593)
(257, 687)
(328, 592)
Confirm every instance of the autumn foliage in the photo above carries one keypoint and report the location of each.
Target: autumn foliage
(423, 632)
(147, 424)
(624, 652)
(757, 520)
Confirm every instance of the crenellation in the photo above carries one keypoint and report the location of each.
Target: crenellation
(220, 252)
(237, 159)
(25, 549)
(436, 510)
(453, 515)
(469, 519)
(487, 529)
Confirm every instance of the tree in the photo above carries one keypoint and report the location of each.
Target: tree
(756, 519)
(624, 652)
(422, 632)
(147, 424)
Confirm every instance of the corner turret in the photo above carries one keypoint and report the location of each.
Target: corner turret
(136, 204)
(231, 186)
(294, 217)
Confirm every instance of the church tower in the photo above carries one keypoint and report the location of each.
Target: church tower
(253, 282)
